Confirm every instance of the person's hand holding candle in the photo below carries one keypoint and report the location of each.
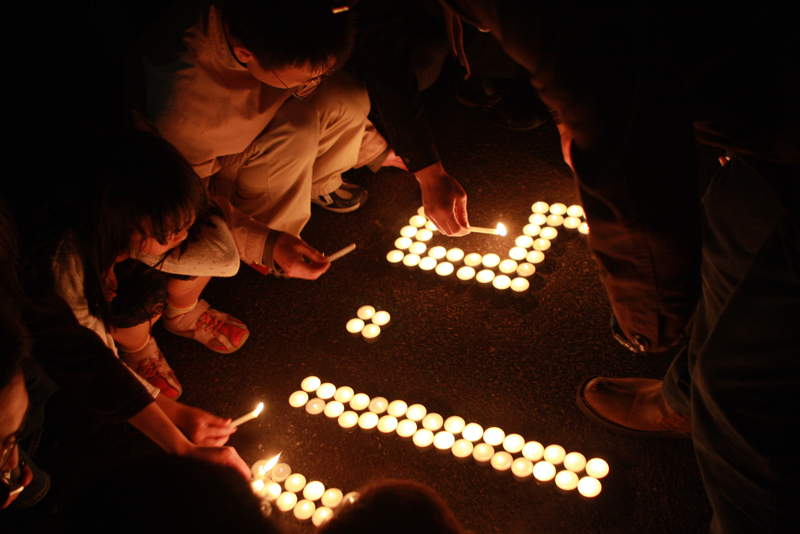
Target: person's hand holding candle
(444, 200)
(298, 259)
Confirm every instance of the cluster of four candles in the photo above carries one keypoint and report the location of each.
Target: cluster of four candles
(369, 332)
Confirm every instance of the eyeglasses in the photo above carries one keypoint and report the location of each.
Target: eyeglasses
(11, 441)
(301, 92)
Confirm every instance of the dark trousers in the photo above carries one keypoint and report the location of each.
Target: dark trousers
(740, 377)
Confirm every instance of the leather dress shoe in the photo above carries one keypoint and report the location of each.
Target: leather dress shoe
(633, 407)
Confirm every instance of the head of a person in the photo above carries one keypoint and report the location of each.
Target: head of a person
(394, 507)
(290, 43)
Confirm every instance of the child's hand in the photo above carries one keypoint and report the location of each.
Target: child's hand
(226, 456)
(203, 428)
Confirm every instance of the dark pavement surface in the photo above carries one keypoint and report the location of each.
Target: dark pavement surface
(492, 359)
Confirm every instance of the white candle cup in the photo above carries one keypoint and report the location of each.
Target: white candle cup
(397, 408)
(416, 412)
(455, 255)
(359, 402)
(430, 226)
(332, 498)
(522, 468)
(295, 483)
(501, 283)
(454, 424)
(315, 406)
(575, 211)
(286, 501)
(443, 440)
(411, 261)
(298, 399)
(575, 462)
(584, 228)
(520, 286)
(533, 451)
(472, 432)
(501, 461)
(508, 266)
(554, 220)
(423, 234)
(257, 485)
(539, 219)
(427, 264)
(540, 245)
(334, 409)
(418, 248)
(597, 468)
(490, 261)
(466, 275)
(485, 277)
(421, 211)
(483, 452)
(423, 438)
(518, 253)
(304, 510)
(544, 471)
(368, 421)
(314, 490)
(535, 257)
(408, 231)
(526, 270)
(387, 424)
(351, 497)
(432, 421)
(280, 473)
(348, 420)
(462, 449)
(473, 259)
(494, 436)
(262, 467)
(513, 443)
(445, 270)
(572, 224)
(406, 428)
(271, 492)
(322, 515)
(531, 230)
(524, 241)
(395, 257)
(266, 507)
(589, 487)
(326, 391)
(310, 384)
(540, 207)
(437, 252)
(248, 417)
(548, 233)
(378, 405)
(371, 332)
(344, 394)
(558, 208)
(402, 243)
(417, 221)
(566, 480)
(554, 454)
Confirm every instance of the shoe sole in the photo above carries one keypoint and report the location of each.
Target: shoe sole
(341, 210)
(595, 417)
(241, 344)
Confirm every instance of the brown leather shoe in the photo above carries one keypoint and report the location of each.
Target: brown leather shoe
(632, 407)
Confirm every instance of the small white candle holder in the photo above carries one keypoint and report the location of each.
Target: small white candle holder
(513, 443)
(397, 408)
(365, 313)
(344, 394)
(395, 257)
(315, 406)
(482, 453)
(526, 270)
(432, 421)
(524, 241)
(520, 286)
(589, 487)
(334, 409)
(314, 490)
(445, 270)
(326, 391)
(408, 231)
(427, 264)
(295, 483)
(535, 257)
(348, 420)
(332, 498)
(298, 399)
(473, 259)
(466, 275)
(539, 219)
(355, 326)
(533, 451)
(417, 221)
(518, 253)
(280, 472)
(406, 428)
(443, 440)
(322, 515)
(554, 454)
(501, 283)
(575, 462)
(575, 211)
(522, 469)
(368, 421)
(472, 432)
(455, 255)
(540, 244)
(418, 248)
(304, 510)
(531, 230)
(558, 208)
(549, 233)
(402, 243)
(571, 224)
(508, 266)
(544, 471)
(540, 207)
(584, 228)
(597, 468)
(416, 412)
(387, 424)
(454, 424)
(438, 253)
(271, 492)
(371, 332)
(423, 438)
(310, 384)
(501, 461)
(462, 449)
(378, 405)
(286, 501)
(490, 261)
(411, 261)
(485, 277)
(359, 402)
(494, 436)
(382, 318)
(566, 480)
(424, 234)
(430, 226)
(421, 211)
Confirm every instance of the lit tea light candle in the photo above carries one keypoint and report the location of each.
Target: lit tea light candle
(454, 424)
(539, 244)
(544, 471)
(432, 421)
(355, 325)
(365, 313)
(298, 399)
(526, 269)
(443, 440)
(371, 333)
(535, 256)
(494, 436)
(402, 243)
(427, 264)
(262, 467)
(531, 230)
(322, 515)
(539, 219)
(508, 266)
(558, 208)
(360, 401)
(314, 490)
(548, 233)
(566, 480)
(501, 282)
(315, 406)
(522, 468)
(411, 260)
(589, 487)
(332, 497)
(430, 226)
(540, 207)
(483, 452)
(465, 274)
(554, 454)
(387, 424)
(310, 384)
(485, 277)
(344, 394)
(424, 235)
(575, 462)
(343, 252)
(408, 231)
(421, 211)
(326, 391)
(271, 492)
(423, 438)
(575, 211)
(437, 252)
(597, 468)
(334, 409)
(416, 412)
(520, 285)
(381, 318)
(368, 420)
(455, 255)
(417, 221)
(572, 223)
(351, 497)
(490, 261)
(524, 241)
(248, 417)
(501, 461)
(418, 247)
(304, 509)
(445, 269)
(406, 428)
(584, 228)
(500, 230)
(533, 451)
(280, 473)
(473, 259)
(295, 483)
(513, 443)
(257, 486)
(473, 432)
(397, 408)
(395, 256)
(286, 501)
(348, 420)
(462, 448)
(378, 405)
(517, 253)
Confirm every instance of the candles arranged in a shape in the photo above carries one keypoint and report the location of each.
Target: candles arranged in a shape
(369, 331)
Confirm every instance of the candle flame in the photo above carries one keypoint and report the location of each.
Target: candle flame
(269, 465)
(260, 406)
(501, 229)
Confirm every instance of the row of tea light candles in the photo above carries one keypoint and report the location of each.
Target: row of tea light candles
(536, 460)
(369, 332)
(415, 235)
